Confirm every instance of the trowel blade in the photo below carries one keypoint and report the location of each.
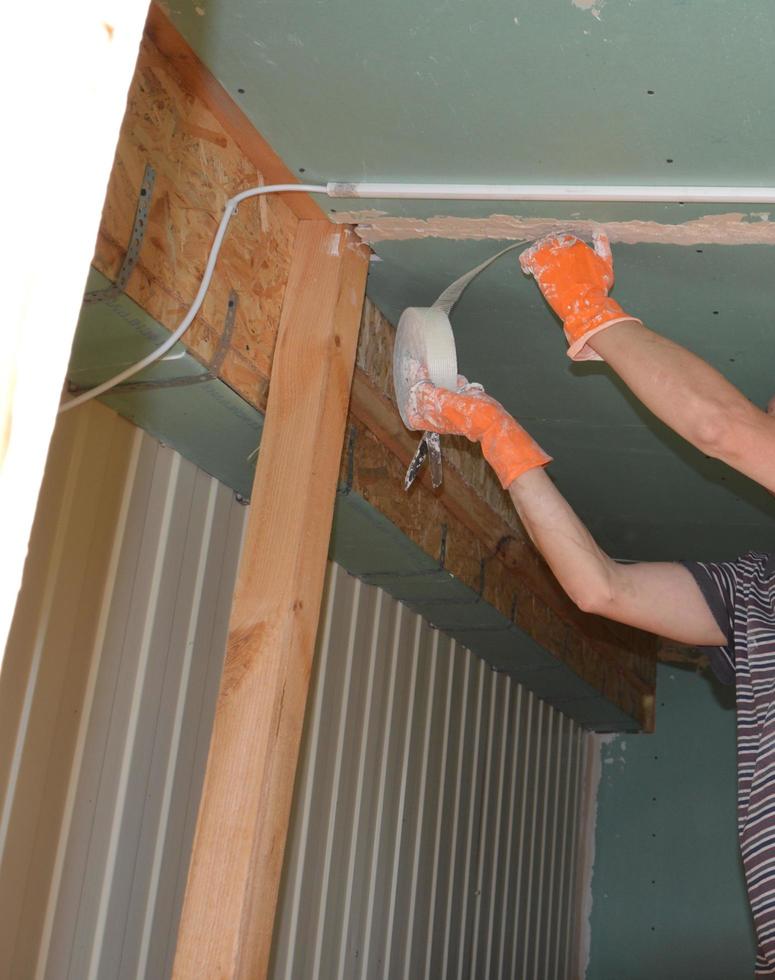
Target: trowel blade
(430, 446)
(417, 460)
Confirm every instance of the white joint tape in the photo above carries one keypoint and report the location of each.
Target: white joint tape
(425, 344)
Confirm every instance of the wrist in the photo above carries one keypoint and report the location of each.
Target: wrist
(607, 340)
(510, 451)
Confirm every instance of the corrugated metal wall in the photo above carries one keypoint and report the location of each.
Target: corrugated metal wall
(436, 811)
(106, 702)
(437, 805)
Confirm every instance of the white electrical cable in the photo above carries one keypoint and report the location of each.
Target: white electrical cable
(187, 320)
(460, 192)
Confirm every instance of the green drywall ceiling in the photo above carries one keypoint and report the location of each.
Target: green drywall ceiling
(214, 428)
(643, 491)
(503, 90)
(668, 896)
(558, 91)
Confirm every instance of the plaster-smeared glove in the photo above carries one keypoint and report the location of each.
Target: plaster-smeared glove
(575, 280)
(471, 413)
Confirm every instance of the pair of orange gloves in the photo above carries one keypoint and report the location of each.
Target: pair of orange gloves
(575, 280)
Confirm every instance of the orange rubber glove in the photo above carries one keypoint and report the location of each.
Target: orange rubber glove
(575, 281)
(471, 413)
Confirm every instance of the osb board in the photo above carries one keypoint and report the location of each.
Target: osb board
(198, 167)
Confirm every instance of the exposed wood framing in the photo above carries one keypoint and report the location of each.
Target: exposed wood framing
(680, 655)
(176, 123)
(226, 926)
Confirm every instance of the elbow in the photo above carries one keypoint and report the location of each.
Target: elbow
(596, 600)
(712, 435)
(716, 432)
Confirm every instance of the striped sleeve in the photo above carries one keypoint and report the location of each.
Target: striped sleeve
(718, 583)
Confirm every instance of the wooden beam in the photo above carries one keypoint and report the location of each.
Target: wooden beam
(228, 913)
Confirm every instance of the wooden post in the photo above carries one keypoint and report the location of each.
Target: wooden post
(228, 912)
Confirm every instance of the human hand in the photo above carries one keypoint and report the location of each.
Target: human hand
(472, 413)
(575, 280)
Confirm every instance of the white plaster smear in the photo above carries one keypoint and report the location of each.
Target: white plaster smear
(593, 774)
(593, 6)
(735, 228)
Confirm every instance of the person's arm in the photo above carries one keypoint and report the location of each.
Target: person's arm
(677, 386)
(661, 597)
(691, 397)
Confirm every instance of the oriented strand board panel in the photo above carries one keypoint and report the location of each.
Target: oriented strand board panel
(198, 167)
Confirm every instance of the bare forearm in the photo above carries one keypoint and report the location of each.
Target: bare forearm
(689, 395)
(580, 566)
(658, 596)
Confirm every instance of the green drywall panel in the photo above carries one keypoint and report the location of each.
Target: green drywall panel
(594, 713)
(668, 897)
(506, 90)
(507, 648)
(205, 422)
(643, 491)
(388, 555)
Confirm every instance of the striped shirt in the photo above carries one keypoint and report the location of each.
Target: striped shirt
(741, 597)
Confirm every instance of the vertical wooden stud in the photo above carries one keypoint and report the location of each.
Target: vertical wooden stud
(228, 913)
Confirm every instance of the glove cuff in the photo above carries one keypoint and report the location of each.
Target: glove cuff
(510, 451)
(598, 314)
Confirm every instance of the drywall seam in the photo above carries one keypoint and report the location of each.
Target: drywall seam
(734, 228)
(587, 832)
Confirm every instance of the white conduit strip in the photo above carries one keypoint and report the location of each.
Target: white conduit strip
(576, 193)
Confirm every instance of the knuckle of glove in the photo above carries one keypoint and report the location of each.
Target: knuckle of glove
(470, 413)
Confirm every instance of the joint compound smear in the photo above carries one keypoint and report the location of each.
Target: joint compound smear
(734, 228)
(593, 6)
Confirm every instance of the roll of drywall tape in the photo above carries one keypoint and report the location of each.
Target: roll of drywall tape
(425, 342)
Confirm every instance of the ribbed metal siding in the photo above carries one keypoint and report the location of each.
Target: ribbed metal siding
(144, 658)
(435, 814)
